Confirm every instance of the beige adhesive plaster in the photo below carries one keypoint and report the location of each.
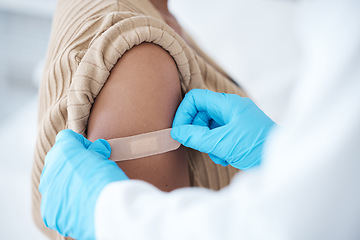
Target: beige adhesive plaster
(142, 145)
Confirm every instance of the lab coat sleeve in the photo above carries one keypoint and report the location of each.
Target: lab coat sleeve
(308, 185)
(137, 210)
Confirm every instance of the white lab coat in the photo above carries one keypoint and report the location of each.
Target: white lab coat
(309, 184)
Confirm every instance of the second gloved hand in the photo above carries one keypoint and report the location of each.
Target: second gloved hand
(75, 172)
(230, 128)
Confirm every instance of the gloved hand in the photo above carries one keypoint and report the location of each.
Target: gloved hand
(75, 172)
(230, 128)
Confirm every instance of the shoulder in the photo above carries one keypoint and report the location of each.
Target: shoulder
(147, 62)
(141, 94)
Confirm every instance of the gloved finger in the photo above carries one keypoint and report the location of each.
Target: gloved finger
(213, 124)
(201, 119)
(73, 137)
(102, 147)
(200, 138)
(199, 100)
(218, 160)
(186, 111)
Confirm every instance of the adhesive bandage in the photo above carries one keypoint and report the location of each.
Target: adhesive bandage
(142, 145)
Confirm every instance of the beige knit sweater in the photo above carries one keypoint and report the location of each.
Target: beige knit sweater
(88, 37)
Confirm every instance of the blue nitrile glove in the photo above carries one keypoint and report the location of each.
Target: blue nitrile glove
(75, 172)
(230, 128)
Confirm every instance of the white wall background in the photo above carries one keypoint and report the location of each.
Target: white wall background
(252, 39)
(24, 31)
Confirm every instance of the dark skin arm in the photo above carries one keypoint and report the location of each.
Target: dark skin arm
(142, 95)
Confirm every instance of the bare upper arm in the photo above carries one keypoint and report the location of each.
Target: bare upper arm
(142, 95)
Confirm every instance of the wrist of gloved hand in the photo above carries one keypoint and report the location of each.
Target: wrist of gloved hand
(230, 128)
(75, 172)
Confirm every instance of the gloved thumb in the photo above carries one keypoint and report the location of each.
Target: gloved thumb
(193, 136)
(102, 147)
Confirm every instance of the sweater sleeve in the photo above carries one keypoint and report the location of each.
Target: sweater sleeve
(110, 43)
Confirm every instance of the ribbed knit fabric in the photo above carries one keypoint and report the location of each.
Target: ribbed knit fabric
(87, 39)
